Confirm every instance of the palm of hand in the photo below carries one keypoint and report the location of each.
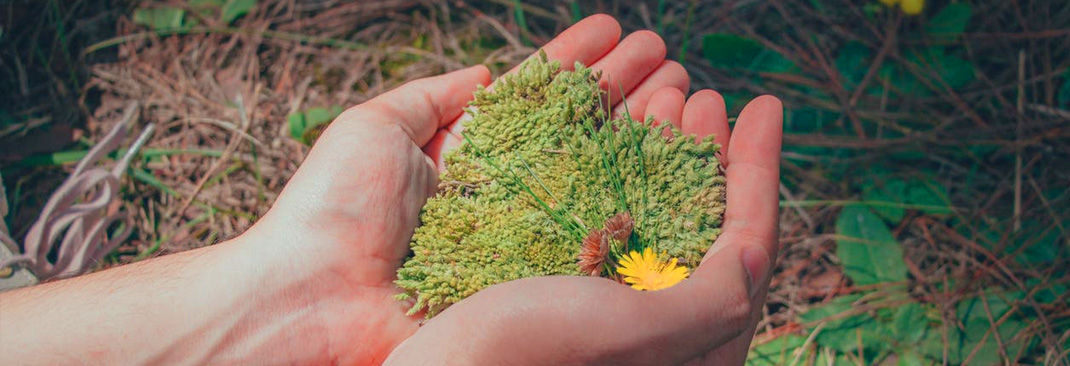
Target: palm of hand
(357, 198)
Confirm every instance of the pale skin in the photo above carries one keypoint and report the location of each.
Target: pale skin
(312, 281)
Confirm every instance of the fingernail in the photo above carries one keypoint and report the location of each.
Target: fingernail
(756, 262)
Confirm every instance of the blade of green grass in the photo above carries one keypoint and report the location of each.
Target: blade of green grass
(521, 21)
(577, 14)
(661, 17)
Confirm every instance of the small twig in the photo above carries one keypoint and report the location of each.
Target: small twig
(790, 199)
(227, 152)
(806, 344)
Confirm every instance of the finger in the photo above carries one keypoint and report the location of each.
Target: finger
(666, 105)
(722, 292)
(704, 115)
(585, 42)
(669, 74)
(421, 107)
(753, 173)
(629, 63)
(438, 145)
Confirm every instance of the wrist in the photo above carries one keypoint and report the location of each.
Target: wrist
(270, 313)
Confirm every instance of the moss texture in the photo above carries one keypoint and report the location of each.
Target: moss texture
(541, 168)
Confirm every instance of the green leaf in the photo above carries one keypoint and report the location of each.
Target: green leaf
(852, 63)
(830, 357)
(950, 22)
(236, 8)
(296, 121)
(869, 252)
(977, 334)
(955, 71)
(318, 116)
(732, 51)
(159, 18)
(735, 101)
(777, 352)
(1041, 243)
(892, 191)
(206, 8)
(845, 334)
(1063, 97)
(930, 194)
(910, 323)
(303, 122)
(912, 358)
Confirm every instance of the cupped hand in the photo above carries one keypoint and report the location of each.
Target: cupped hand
(708, 319)
(334, 239)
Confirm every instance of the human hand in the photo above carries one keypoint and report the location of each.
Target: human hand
(708, 319)
(341, 228)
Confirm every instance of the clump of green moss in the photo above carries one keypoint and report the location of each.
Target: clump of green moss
(541, 169)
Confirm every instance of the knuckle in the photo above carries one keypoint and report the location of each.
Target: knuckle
(737, 309)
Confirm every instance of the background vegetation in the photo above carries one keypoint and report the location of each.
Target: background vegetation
(924, 197)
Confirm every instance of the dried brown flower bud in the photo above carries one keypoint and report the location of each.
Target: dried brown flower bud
(594, 251)
(620, 226)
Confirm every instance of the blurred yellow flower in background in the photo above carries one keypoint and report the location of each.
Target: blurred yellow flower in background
(909, 7)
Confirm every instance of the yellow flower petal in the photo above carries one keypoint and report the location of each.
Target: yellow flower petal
(912, 7)
(645, 272)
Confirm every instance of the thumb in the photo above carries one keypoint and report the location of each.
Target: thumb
(423, 106)
(714, 305)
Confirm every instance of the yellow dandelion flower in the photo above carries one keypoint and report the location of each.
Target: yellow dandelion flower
(909, 7)
(646, 272)
(912, 7)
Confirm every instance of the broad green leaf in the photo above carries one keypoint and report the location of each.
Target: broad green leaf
(1041, 243)
(206, 8)
(236, 8)
(844, 334)
(978, 335)
(735, 101)
(891, 191)
(932, 63)
(733, 51)
(912, 358)
(319, 115)
(207, 3)
(296, 121)
(777, 352)
(950, 22)
(1047, 293)
(831, 357)
(1063, 96)
(302, 123)
(910, 324)
(955, 71)
(159, 18)
(852, 63)
(869, 252)
(902, 81)
(930, 194)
